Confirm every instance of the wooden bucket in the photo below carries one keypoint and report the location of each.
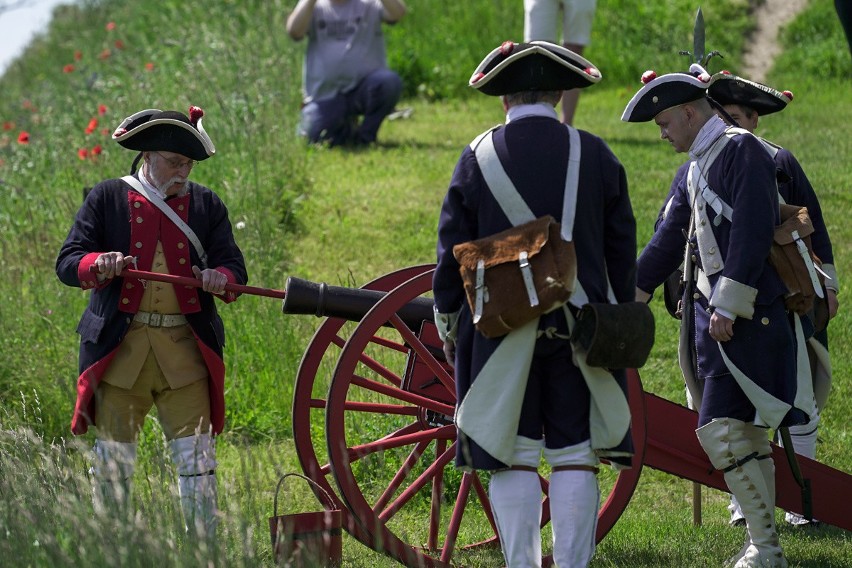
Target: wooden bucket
(307, 540)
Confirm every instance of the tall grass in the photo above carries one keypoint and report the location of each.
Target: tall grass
(341, 217)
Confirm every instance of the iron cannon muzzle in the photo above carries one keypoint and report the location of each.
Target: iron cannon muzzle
(352, 304)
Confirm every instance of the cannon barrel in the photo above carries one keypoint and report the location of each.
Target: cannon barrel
(320, 299)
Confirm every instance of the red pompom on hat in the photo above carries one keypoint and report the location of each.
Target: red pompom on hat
(195, 114)
(648, 76)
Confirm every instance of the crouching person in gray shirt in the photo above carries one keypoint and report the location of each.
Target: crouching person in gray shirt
(348, 88)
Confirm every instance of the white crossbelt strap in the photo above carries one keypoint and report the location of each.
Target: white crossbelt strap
(700, 195)
(169, 212)
(510, 201)
(500, 385)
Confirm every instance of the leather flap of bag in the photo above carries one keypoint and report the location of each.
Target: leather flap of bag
(506, 245)
(794, 218)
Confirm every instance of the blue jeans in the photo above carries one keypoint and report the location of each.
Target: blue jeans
(336, 119)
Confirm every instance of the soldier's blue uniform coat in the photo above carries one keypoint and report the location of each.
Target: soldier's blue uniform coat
(795, 187)
(534, 153)
(743, 176)
(116, 218)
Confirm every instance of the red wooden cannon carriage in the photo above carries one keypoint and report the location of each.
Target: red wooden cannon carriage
(373, 425)
(381, 396)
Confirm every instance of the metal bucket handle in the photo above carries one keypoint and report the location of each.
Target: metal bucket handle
(330, 505)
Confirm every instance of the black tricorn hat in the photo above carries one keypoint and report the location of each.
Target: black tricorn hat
(153, 130)
(728, 89)
(664, 92)
(534, 66)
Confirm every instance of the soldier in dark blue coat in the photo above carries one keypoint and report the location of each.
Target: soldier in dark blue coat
(522, 395)
(149, 343)
(745, 102)
(734, 320)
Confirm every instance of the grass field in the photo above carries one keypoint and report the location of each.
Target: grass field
(346, 218)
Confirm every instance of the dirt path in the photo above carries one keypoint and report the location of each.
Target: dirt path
(770, 16)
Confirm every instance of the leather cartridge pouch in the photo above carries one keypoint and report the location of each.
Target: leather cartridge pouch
(614, 336)
(790, 247)
(514, 276)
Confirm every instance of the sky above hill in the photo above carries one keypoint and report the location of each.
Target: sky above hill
(19, 25)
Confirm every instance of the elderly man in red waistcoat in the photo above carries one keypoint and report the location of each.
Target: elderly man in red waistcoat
(149, 343)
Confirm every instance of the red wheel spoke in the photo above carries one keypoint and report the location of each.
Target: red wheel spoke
(437, 492)
(436, 468)
(485, 502)
(404, 431)
(381, 408)
(402, 395)
(358, 452)
(380, 370)
(455, 520)
(389, 343)
(414, 342)
(400, 475)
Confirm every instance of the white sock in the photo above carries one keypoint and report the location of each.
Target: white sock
(516, 501)
(574, 501)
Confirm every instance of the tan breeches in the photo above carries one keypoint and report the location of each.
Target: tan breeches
(120, 413)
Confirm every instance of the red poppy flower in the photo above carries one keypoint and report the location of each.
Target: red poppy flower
(102, 109)
(96, 151)
(93, 124)
(24, 137)
(110, 26)
(82, 153)
(149, 66)
(78, 55)
(68, 68)
(119, 44)
(8, 125)
(104, 54)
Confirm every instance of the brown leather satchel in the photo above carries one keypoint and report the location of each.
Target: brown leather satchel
(615, 336)
(791, 242)
(514, 276)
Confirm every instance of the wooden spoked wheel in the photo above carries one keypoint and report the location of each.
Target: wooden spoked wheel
(309, 398)
(392, 442)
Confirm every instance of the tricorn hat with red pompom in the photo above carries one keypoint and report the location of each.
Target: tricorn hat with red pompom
(728, 89)
(534, 66)
(153, 130)
(664, 92)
